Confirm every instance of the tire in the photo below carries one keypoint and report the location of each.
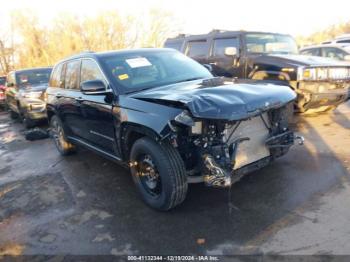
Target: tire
(171, 183)
(59, 137)
(13, 114)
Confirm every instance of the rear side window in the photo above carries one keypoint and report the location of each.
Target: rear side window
(197, 48)
(222, 43)
(343, 41)
(175, 45)
(334, 53)
(311, 51)
(72, 73)
(90, 71)
(55, 80)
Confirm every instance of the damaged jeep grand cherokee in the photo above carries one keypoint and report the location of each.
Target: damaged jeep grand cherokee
(167, 118)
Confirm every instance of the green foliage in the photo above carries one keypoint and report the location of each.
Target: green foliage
(38, 44)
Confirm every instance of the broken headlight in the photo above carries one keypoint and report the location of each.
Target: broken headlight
(186, 119)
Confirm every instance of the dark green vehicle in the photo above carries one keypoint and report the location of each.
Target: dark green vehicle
(25, 94)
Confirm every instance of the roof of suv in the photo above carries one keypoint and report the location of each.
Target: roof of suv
(95, 55)
(215, 32)
(30, 69)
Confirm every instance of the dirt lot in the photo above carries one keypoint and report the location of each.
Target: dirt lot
(84, 204)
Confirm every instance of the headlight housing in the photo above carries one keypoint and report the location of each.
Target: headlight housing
(185, 118)
(324, 73)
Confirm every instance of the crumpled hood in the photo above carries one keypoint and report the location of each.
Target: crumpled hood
(303, 60)
(225, 101)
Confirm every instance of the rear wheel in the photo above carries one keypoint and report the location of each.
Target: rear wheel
(159, 173)
(13, 114)
(57, 133)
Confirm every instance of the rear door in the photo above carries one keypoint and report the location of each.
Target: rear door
(96, 110)
(222, 64)
(70, 100)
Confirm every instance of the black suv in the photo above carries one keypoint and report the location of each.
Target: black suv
(167, 118)
(321, 84)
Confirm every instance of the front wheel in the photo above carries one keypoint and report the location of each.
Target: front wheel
(159, 173)
(57, 133)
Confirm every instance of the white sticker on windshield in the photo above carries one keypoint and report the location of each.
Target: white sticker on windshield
(138, 62)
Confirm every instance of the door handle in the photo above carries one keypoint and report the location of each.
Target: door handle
(213, 63)
(79, 99)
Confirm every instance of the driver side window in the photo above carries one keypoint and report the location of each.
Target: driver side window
(90, 71)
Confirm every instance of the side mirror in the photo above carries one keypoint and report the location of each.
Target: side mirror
(209, 67)
(93, 87)
(230, 51)
(347, 58)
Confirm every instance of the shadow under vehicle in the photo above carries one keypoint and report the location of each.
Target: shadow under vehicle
(25, 94)
(167, 118)
(321, 84)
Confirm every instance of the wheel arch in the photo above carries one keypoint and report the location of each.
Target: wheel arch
(130, 132)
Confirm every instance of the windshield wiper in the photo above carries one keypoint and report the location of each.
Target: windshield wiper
(190, 79)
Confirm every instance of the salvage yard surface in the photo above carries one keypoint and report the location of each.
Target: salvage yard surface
(83, 204)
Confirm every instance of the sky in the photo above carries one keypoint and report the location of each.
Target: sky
(295, 17)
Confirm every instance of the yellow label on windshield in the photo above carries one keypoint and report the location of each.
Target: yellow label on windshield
(123, 76)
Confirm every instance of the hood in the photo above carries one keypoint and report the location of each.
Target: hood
(35, 88)
(300, 60)
(221, 101)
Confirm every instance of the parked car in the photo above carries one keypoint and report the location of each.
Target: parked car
(321, 84)
(2, 91)
(25, 94)
(333, 51)
(167, 118)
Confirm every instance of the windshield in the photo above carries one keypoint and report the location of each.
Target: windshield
(33, 77)
(271, 44)
(144, 70)
(2, 81)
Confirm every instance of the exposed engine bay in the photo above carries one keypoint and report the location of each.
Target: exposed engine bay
(220, 152)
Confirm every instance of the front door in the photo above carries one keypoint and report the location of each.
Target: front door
(96, 110)
(224, 65)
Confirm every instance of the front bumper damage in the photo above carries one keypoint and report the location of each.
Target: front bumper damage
(315, 94)
(218, 176)
(224, 151)
(35, 109)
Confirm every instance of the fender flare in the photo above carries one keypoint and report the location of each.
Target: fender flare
(129, 133)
